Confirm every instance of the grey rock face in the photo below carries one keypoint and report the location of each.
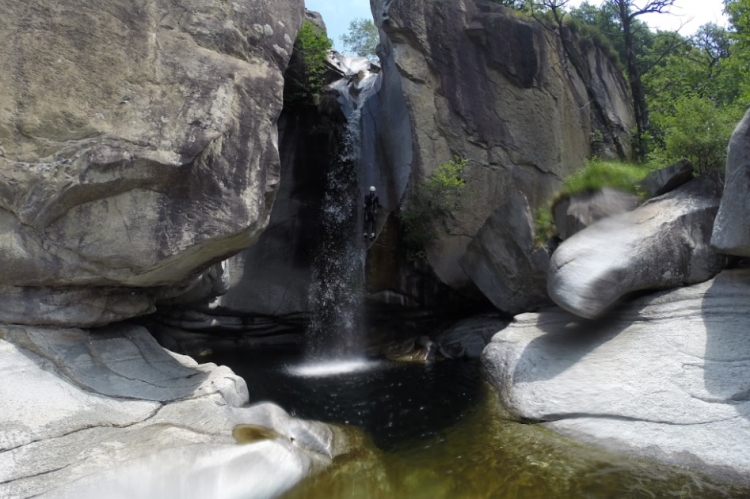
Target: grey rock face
(574, 213)
(481, 82)
(732, 227)
(662, 244)
(502, 261)
(468, 337)
(154, 154)
(112, 414)
(667, 179)
(88, 307)
(664, 376)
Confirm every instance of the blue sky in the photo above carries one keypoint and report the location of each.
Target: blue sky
(338, 14)
(691, 13)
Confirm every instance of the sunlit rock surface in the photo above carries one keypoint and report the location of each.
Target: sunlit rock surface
(574, 213)
(662, 244)
(732, 227)
(138, 141)
(665, 376)
(109, 413)
(479, 81)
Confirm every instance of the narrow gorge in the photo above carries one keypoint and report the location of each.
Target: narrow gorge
(189, 309)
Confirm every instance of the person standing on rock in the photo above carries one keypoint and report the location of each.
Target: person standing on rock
(372, 205)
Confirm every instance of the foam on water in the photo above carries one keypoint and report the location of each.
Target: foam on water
(333, 367)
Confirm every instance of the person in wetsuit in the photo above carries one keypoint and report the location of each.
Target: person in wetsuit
(372, 205)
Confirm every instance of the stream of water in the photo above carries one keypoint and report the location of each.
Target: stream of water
(338, 268)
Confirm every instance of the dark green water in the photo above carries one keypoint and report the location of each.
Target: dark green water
(438, 431)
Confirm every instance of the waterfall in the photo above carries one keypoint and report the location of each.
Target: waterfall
(336, 294)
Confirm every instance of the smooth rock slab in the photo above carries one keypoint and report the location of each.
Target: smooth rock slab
(662, 244)
(109, 413)
(731, 233)
(665, 376)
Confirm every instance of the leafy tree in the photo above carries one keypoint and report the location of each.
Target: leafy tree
(696, 130)
(628, 11)
(362, 38)
(308, 69)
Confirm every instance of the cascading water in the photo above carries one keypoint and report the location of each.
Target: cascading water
(338, 269)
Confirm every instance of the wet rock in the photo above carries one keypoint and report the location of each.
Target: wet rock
(664, 376)
(732, 227)
(574, 213)
(667, 179)
(153, 155)
(662, 244)
(467, 338)
(503, 263)
(109, 413)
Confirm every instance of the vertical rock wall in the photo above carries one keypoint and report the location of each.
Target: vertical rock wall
(484, 83)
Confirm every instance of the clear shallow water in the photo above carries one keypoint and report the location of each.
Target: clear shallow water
(438, 432)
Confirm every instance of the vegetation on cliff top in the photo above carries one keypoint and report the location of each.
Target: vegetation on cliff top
(308, 69)
(362, 38)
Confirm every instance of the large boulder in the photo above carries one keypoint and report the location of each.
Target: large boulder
(573, 213)
(662, 244)
(153, 154)
(112, 414)
(732, 226)
(502, 260)
(667, 179)
(664, 376)
(478, 80)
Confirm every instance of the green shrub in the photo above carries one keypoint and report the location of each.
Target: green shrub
(698, 131)
(594, 175)
(544, 225)
(430, 200)
(597, 174)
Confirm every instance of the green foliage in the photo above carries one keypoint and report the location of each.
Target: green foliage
(435, 197)
(362, 38)
(597, 174)
(312, 47)
(544, 225)
(696, 130)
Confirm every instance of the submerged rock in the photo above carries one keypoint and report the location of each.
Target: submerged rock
(662, 244)
(731, 233)
(664, 376)
(667, 179)
(502, 260)
(574, 213)
(112, 414)
(467, 338)
(153, 155)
